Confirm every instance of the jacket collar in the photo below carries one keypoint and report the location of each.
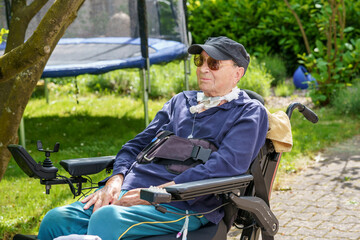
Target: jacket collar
(242, 100)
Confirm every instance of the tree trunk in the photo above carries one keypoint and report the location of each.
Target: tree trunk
(12, 111)
(23, 63)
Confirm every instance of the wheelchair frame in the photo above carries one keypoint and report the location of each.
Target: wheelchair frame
(247, 195)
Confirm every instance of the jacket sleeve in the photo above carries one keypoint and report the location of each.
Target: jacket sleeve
(127, 155)
(236, 150)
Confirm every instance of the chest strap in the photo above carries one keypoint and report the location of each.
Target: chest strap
(169, 149)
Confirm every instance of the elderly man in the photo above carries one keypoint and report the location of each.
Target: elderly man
(220, 113)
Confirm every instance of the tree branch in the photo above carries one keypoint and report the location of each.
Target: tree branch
(21, 17)
(306, 42)
(342, 19)
(34, 8)
(18, 25)
(43, 41)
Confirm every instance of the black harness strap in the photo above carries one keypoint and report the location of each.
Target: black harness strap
(160, 136)
(200, 153)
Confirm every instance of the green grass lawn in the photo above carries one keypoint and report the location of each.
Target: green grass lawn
(99, 126)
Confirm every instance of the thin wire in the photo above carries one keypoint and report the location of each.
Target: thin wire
(243, 228)
(71, 185)
(196, 214)
(136, 224)
(193, 127)
(83, 193)
(181, 214)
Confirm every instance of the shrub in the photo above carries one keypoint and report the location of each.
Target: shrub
(100, 83)
(124, 81)
(257, 78)
(276, 67)
(264, 27)
(169, 79)
(284, 89)
(332, 69)
(347, 100)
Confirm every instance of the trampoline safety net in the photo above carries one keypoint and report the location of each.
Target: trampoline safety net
(105, 36)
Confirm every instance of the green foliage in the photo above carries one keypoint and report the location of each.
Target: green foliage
(3, 34)
(119, 81)
(347, 100)
(257, 78)
(284, 89)
(276, 67)
(264, 27)
(167, 21)
(334, 63)
(166, 80)
(352, 19)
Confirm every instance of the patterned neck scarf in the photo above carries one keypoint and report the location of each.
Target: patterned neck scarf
(205, 102)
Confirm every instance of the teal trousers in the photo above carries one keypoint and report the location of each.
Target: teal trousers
(114, 222)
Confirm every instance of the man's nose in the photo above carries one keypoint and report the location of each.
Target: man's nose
(204, 67)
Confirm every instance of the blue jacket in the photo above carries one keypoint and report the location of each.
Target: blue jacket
(237, 128)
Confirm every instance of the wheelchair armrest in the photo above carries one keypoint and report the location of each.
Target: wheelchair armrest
(190, 190)
(87, 166)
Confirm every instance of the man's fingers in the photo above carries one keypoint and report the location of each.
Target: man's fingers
(90, 203)
(97, 205)
(102, 197)
(87, 198)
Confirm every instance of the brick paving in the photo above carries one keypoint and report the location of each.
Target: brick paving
(324, 200)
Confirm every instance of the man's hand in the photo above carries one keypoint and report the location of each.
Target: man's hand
(131, 198)
(106, 195)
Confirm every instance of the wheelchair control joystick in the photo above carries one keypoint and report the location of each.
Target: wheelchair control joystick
(47, 162)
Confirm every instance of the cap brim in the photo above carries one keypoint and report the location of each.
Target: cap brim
(210, 50)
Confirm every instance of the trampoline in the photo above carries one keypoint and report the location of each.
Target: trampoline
(76, 56)
(117, 34)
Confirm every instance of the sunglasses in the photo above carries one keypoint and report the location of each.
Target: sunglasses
(213, 64)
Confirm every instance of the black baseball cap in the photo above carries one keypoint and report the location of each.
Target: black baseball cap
(223, 48)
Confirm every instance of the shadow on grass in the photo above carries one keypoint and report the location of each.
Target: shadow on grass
(79, 136)
(23, 224)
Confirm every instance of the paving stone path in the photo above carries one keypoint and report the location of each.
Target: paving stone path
(324, 200)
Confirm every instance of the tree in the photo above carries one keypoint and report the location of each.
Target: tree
(23, 62)
(334, 61)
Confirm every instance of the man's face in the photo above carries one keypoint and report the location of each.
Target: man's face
(218, 82)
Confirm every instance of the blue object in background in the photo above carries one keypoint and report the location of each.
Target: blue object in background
(301, 78)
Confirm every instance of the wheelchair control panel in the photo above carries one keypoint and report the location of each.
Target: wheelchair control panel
(48, 173)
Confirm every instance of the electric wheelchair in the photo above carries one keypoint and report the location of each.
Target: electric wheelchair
(246, 197)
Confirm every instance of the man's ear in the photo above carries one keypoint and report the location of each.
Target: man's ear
(239, 74)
